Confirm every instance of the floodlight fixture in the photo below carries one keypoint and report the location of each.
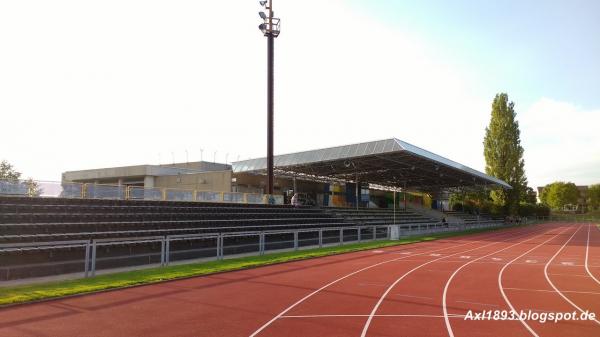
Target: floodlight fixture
(263, 3)
(262, 15)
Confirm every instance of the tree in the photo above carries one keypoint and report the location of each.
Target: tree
(7, 172)
(10, 184)
(504, 154)
(594, 196)
(559, 194)
(529, 196)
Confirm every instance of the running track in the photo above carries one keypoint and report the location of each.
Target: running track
(420, 289)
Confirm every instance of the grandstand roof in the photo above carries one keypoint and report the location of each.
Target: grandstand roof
(388, 163)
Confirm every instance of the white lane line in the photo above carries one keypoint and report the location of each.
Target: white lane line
(552, 284)
(378, 304)
(587, 250)
(383, 315)
(446, 287)
(476, 303)
(551, 291)
(570, 275)
(372, 284)
(502, 288)
(358, 271)
(413, 296)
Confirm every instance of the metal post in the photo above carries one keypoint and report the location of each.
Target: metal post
(94, 258)
(374, 232)
(168, 251)
(261, 241)
(404, 192)
(341, 236)
(295, 240)
(87, 258)
(394, 207)
(358, 230)
(295, 188)
(162, 252)
(320, 238)
(357, 195)
(270, 77)
(220, 247)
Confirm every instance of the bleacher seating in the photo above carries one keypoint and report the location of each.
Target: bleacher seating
(41, 222)
(36, 220)
(380, 216)
(468, 218)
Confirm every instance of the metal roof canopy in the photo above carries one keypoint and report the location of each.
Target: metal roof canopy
(389, 163)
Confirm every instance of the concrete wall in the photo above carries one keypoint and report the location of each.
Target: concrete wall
(256, 184)
(216, 181)
(138, 172)
(112, 173)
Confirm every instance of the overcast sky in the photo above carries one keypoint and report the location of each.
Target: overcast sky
(88, 84)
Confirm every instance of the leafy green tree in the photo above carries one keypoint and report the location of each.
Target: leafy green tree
(594, 196)
(529, 196)
(559, 194)
(7, 172)
(504, 154)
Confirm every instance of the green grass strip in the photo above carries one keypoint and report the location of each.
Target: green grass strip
(56, 289)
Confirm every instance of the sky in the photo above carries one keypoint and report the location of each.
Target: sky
(89, 84)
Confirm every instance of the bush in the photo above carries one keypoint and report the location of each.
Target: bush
(486, 207)
(458, 207)
(529, 209)
(497, 210)
(468, 208)
(542, 210)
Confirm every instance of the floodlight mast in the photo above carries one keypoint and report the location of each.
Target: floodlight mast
(270, 29)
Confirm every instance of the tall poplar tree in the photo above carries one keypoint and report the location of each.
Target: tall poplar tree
(504, 154)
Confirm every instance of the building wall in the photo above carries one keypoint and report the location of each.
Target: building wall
(216, 181)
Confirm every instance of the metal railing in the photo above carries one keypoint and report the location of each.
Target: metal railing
(36, 188)
(566, 218)
(161, 251)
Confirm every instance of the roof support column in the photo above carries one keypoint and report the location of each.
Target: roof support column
(294, 181)
(394, 207)
(356, 201)
(404, 192)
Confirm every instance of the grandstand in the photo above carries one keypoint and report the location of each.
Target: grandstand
(49, 236)
(84, 231)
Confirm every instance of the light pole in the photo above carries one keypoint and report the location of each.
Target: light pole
(270, 29)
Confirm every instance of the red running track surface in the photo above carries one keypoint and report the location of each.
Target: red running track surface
(423, 289)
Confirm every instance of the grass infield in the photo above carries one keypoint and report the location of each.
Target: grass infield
(44, 291)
